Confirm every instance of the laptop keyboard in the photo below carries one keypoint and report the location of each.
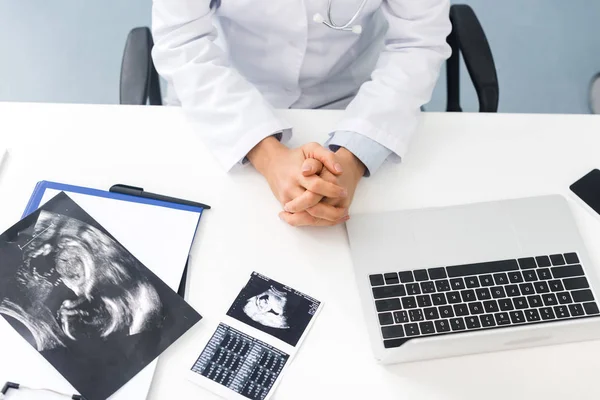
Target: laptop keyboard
(487, 295)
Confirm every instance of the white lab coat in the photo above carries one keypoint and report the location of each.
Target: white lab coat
(275, 56)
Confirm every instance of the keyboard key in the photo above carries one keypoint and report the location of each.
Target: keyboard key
(549, 299)
(561, 311)
(512, 290)
(482, 268)
(486, 280)
(406, 276)
(487, 320)
(515, 277)
(571, 258)
(468, 295)
(461, 310)
(557, 259)
(457, 284)
(376, 280)
(386, 318)
(457, 324)
(420, 275)
(547, 313)
(415, 315)
(394, 331)
(564, 298)
(591, 308)
(530, 276)
(443, 285)
(517, 317)
(576, 310)
(498, 292)
(505, 304)
(381, 292)
(472, 282)
(476, 308)
(391, 278)
(424, 301)
(472, 322)
(556, 286)
(409, 302)
(582, 295)
(431, 313)
(532, 315)
(501, 279)
(446, 312)
(520, 303)
(543, 261)
(387, 305)
(526, 288)
(426, 327)
(544, 273)
(413, 288)
(453, 297)
(491, 306)
(437, 273)
(427, 287)
(502, 318)
(438, 299)
(442, 325)
(534, 301)
(411, 329)
(483, 294)
(400, 317)
(527, 263)
(576, 283)
(541, 287)
(567, 271)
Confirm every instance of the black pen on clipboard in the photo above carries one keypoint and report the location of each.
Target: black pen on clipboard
(140, 192)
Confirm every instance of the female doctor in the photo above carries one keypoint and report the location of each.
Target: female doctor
(378, 59)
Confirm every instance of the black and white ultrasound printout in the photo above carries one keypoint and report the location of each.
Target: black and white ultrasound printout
(274, 308)
(241, 363)
(86, 304)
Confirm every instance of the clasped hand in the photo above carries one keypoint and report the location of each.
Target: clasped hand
(314, 185)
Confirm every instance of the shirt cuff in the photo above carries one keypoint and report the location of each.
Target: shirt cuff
(368, 151)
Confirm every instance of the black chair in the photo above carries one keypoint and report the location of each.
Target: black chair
(140, 84)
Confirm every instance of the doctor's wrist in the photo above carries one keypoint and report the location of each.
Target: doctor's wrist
(263, 152)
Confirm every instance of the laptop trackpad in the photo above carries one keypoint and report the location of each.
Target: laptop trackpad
(460, 235)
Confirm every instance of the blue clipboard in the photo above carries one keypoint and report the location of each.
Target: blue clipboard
(40, 189)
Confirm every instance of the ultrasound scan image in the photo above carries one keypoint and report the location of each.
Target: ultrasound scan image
(83, 301)
(274, 308)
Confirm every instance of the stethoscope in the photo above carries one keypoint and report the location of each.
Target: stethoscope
(348, 26)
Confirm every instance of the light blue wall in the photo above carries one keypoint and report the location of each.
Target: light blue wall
(546, 52)
(70, 51)
(65, 50)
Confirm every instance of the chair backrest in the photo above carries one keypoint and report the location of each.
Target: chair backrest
(467, 36)
(139, 83)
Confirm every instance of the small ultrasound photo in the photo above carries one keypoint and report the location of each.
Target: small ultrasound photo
(87, 305)
(273, 308)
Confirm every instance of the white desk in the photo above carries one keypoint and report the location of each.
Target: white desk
(455, 158)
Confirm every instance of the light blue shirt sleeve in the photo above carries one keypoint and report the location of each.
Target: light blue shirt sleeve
(368, 151)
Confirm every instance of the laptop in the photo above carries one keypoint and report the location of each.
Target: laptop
(474, 278)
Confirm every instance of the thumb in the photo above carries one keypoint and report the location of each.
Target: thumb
(310, 166)
(327, 158)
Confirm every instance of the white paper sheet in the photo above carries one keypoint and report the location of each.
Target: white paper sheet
(159, 237)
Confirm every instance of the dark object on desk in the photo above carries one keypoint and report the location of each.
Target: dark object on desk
(86, 304)
(467, 36)
(588, 190)
(13, 385)
(139, 192)
(140, 83)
